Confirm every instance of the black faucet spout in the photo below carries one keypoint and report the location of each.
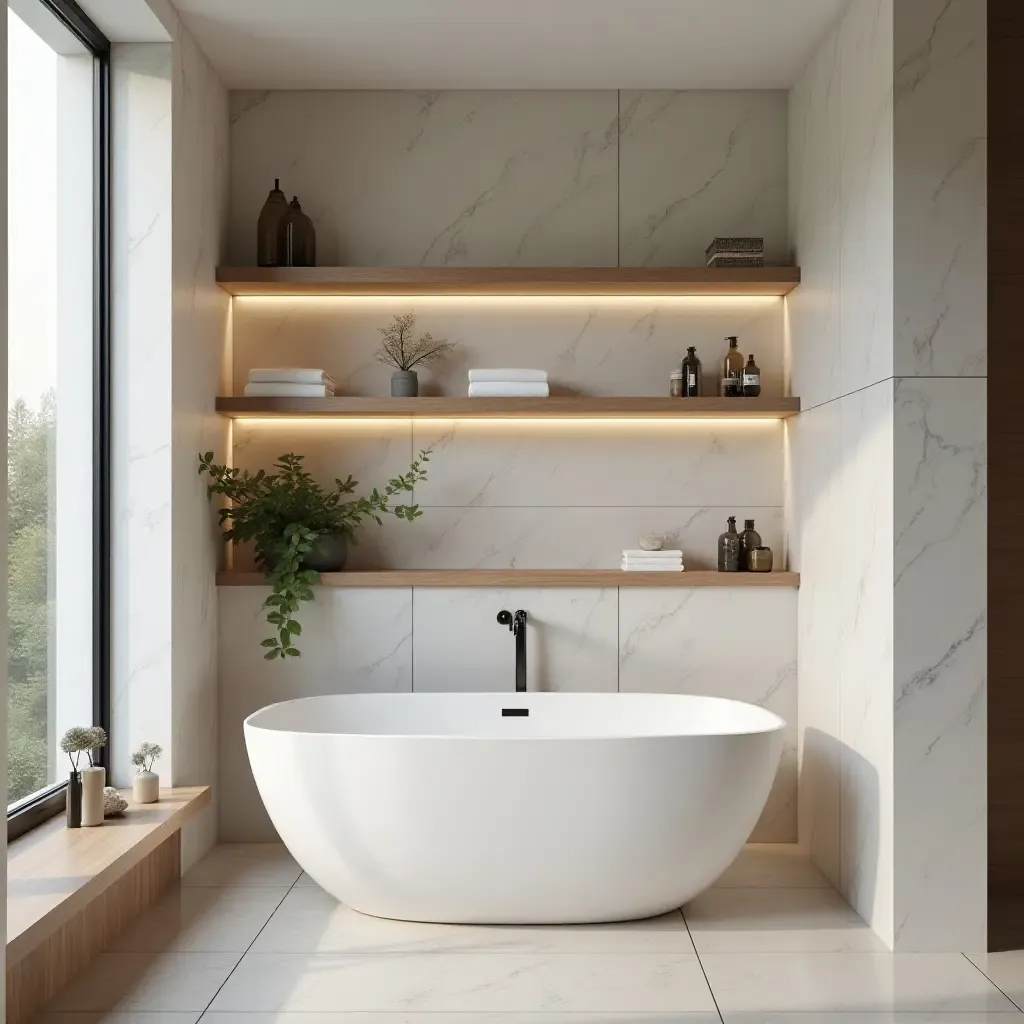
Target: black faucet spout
(517, 624)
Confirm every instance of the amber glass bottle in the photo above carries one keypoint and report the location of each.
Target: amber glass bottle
(296, 238)
(732, 369)
(749, 539)
(729, 549)
(274, 209)
(751, 379)
(691, 374)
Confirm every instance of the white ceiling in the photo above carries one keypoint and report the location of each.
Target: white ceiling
(508, 44)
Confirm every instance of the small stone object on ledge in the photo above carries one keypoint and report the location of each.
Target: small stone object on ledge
(114, 805)
(651, 541)
(735, 252)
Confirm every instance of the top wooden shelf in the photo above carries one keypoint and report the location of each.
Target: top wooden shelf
(508, 280)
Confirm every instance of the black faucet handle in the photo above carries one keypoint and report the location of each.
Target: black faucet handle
(505, 618)
(519, 621)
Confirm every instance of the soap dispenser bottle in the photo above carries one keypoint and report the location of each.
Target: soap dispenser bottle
(729, 549)
(751, 379)
(749, 540)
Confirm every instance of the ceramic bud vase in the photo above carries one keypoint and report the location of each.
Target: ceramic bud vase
(404, 384)
(93, 781)
(74, 800)
(146, 788)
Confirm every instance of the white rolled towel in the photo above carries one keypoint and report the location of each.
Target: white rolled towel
(289, 375)
(289, 391)
(508, 389)
(503, 376)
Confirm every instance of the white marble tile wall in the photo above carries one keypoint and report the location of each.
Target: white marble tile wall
(722, 643)
(732, 643)
(508, 178)
(939, 171)
(889, 461)
(694, 165)
(940, 661)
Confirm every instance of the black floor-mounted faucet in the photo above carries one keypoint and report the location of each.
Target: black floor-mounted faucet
(517, 623)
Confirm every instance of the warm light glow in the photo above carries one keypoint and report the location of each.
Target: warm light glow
(522, 301)
(522, 422)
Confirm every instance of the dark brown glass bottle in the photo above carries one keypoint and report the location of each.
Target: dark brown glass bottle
(267, 226)
(691, 374)
(296, 238)
(749, 539)
(732, 369)
(751, 378)
(729, 549)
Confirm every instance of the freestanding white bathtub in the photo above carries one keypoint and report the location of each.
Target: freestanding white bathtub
(529, 808)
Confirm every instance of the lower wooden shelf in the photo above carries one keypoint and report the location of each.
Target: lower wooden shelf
(530, 578)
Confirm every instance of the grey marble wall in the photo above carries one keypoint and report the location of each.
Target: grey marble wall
(888, 464)
(514, 178)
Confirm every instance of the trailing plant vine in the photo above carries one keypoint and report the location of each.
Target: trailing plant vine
(284, 514)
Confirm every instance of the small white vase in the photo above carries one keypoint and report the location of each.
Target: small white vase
(146, 788)
(93, 781)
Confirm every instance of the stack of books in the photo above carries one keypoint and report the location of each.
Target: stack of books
(289, 382)
(735, 252)
(652, 561)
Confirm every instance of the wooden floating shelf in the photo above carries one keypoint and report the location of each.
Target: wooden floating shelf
(508, 280)
(529, 578)
(519, 408)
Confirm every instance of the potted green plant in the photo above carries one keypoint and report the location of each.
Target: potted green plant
(300, 529)
(399, 349)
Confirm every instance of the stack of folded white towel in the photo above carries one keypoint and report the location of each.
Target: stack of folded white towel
(289, 382)
(652, 561)
(508, 384)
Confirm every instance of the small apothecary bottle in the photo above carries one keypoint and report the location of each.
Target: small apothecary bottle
(751, 379)
(749, 539)
(729, 549)
(732, 369)
(691, 374)
(267, 226)
(675, 384)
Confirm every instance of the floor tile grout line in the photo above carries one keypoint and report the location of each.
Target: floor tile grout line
(700, 963)
(1013, 1002)
(249, 947)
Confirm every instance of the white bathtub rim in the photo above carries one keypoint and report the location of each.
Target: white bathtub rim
(772, 722)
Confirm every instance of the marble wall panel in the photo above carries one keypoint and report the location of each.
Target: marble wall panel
(723, 643)
(696, 165)
(459, 646)
(939, 179)
(353, 641)
(394, 178)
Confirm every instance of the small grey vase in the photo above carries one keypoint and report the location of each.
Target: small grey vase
(404, 384)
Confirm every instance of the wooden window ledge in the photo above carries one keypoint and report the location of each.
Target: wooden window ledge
(69, 891)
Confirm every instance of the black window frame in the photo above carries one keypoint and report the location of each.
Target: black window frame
(34, 810)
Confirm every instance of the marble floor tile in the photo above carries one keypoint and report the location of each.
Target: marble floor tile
(201, 919)
(864, 982)
(467, 982)
(977, 1017)
(255, 864)
(117, 1017)
(778, 921)
(773, 866)
(312, 921)
(1005, 970)
(163, 982)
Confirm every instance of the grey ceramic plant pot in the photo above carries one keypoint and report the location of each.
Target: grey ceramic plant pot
(404, 384)
(328, 553)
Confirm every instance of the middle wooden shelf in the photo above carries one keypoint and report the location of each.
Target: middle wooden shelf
(515, 408)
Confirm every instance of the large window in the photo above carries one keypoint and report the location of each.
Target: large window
(57, 162)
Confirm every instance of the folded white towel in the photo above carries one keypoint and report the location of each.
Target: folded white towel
(503, 376)
(652, 568)
(289, 375)
(661, 553)
(289, 390)
(508, 389)
(633, 564)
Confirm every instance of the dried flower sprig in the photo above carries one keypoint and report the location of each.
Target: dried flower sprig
(81, 739)
(145, 757)
(400, 350)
